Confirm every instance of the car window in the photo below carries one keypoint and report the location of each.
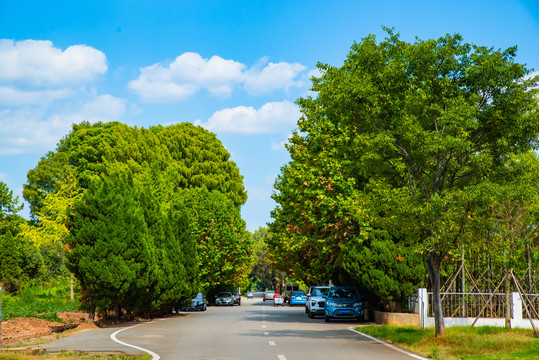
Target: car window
(298, 293)
(320, 292)
(224, 294)
(344, 294)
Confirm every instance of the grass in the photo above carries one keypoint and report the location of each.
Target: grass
(38, 301)
(463, 343)
(71, 355)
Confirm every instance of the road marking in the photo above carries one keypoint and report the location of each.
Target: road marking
(264, 326)
(266, 333)
(272, 343)
(113, 337)
(281, 357)
(388, 345)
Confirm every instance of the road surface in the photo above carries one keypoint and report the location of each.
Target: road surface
(254, 330)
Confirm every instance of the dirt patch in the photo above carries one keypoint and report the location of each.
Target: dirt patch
(31, 330)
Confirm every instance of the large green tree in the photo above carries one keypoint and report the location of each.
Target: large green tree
(418, 126)
(162, 164)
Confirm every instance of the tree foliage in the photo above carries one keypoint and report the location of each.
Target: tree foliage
(154, 245)
(402, 134)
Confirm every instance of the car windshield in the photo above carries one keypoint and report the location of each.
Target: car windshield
(344, 294)
(320, 292)
(270, 292)
(298, 293)
(199, 296)
(224, 294)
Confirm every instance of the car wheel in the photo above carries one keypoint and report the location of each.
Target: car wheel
(306, 310)
(311, 315)
(327, 318)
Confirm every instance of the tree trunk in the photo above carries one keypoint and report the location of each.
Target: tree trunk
(71, 287)
(433, 262)
(91, 315)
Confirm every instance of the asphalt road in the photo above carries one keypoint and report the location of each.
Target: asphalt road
(254, 330)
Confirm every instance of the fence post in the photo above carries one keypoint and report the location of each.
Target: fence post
(423, 306)
(516, 307)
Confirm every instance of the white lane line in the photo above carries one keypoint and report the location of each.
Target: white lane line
(266, 333)
(272, 343)
(113, 337)
(388, 345)
(264, 326)
(281, 357)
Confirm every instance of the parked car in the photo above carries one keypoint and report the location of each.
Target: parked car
(316, 301)
(236, 296)
(297, 298)
(249, 294)
(343, 303)
(224, 298)
(198, 303)
(268, 295)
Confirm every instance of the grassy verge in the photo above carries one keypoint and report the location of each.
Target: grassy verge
(463, 343)
(70, 355)
(40, 301)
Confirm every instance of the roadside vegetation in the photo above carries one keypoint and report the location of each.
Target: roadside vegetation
(43, 301)
(70, 355)
(463, 343)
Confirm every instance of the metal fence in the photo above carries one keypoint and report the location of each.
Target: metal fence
(471, 304)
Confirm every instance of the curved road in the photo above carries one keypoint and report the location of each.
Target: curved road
(254, 330)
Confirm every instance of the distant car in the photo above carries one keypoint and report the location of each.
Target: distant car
(316, 301)
(343, 303)
(268, 295)
(236, 296)
(198, 303)
(297, 298)
(249, 294)
(224, 298)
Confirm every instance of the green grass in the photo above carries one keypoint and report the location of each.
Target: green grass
(464, 343)
(38, 301)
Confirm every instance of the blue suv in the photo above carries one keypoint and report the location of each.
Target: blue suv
(343, 303)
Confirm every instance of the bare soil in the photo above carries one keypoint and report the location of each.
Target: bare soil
(27, 331)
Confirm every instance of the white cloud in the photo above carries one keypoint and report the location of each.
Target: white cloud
(273, 77)
(190, 73)
(270, 118)
(10, 96)
(40, 64)
(32, 131)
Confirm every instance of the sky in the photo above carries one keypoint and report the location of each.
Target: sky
(235, 68)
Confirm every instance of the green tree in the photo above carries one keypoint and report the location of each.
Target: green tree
(264, 275)
(10, 262)
(424, 123)
(8, 204)
(109, 250)
(223, 245)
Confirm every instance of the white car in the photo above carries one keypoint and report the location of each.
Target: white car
(316, 301)
(268, 295)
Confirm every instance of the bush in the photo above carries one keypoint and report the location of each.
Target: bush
(40, 301)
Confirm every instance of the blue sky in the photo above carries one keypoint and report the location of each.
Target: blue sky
(234, 67)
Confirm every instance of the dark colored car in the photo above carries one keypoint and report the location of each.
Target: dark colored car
(198, 303)
(236, 296)
(224, 298)
(343, 303)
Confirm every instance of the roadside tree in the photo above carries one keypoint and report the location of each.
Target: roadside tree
(423, 122)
